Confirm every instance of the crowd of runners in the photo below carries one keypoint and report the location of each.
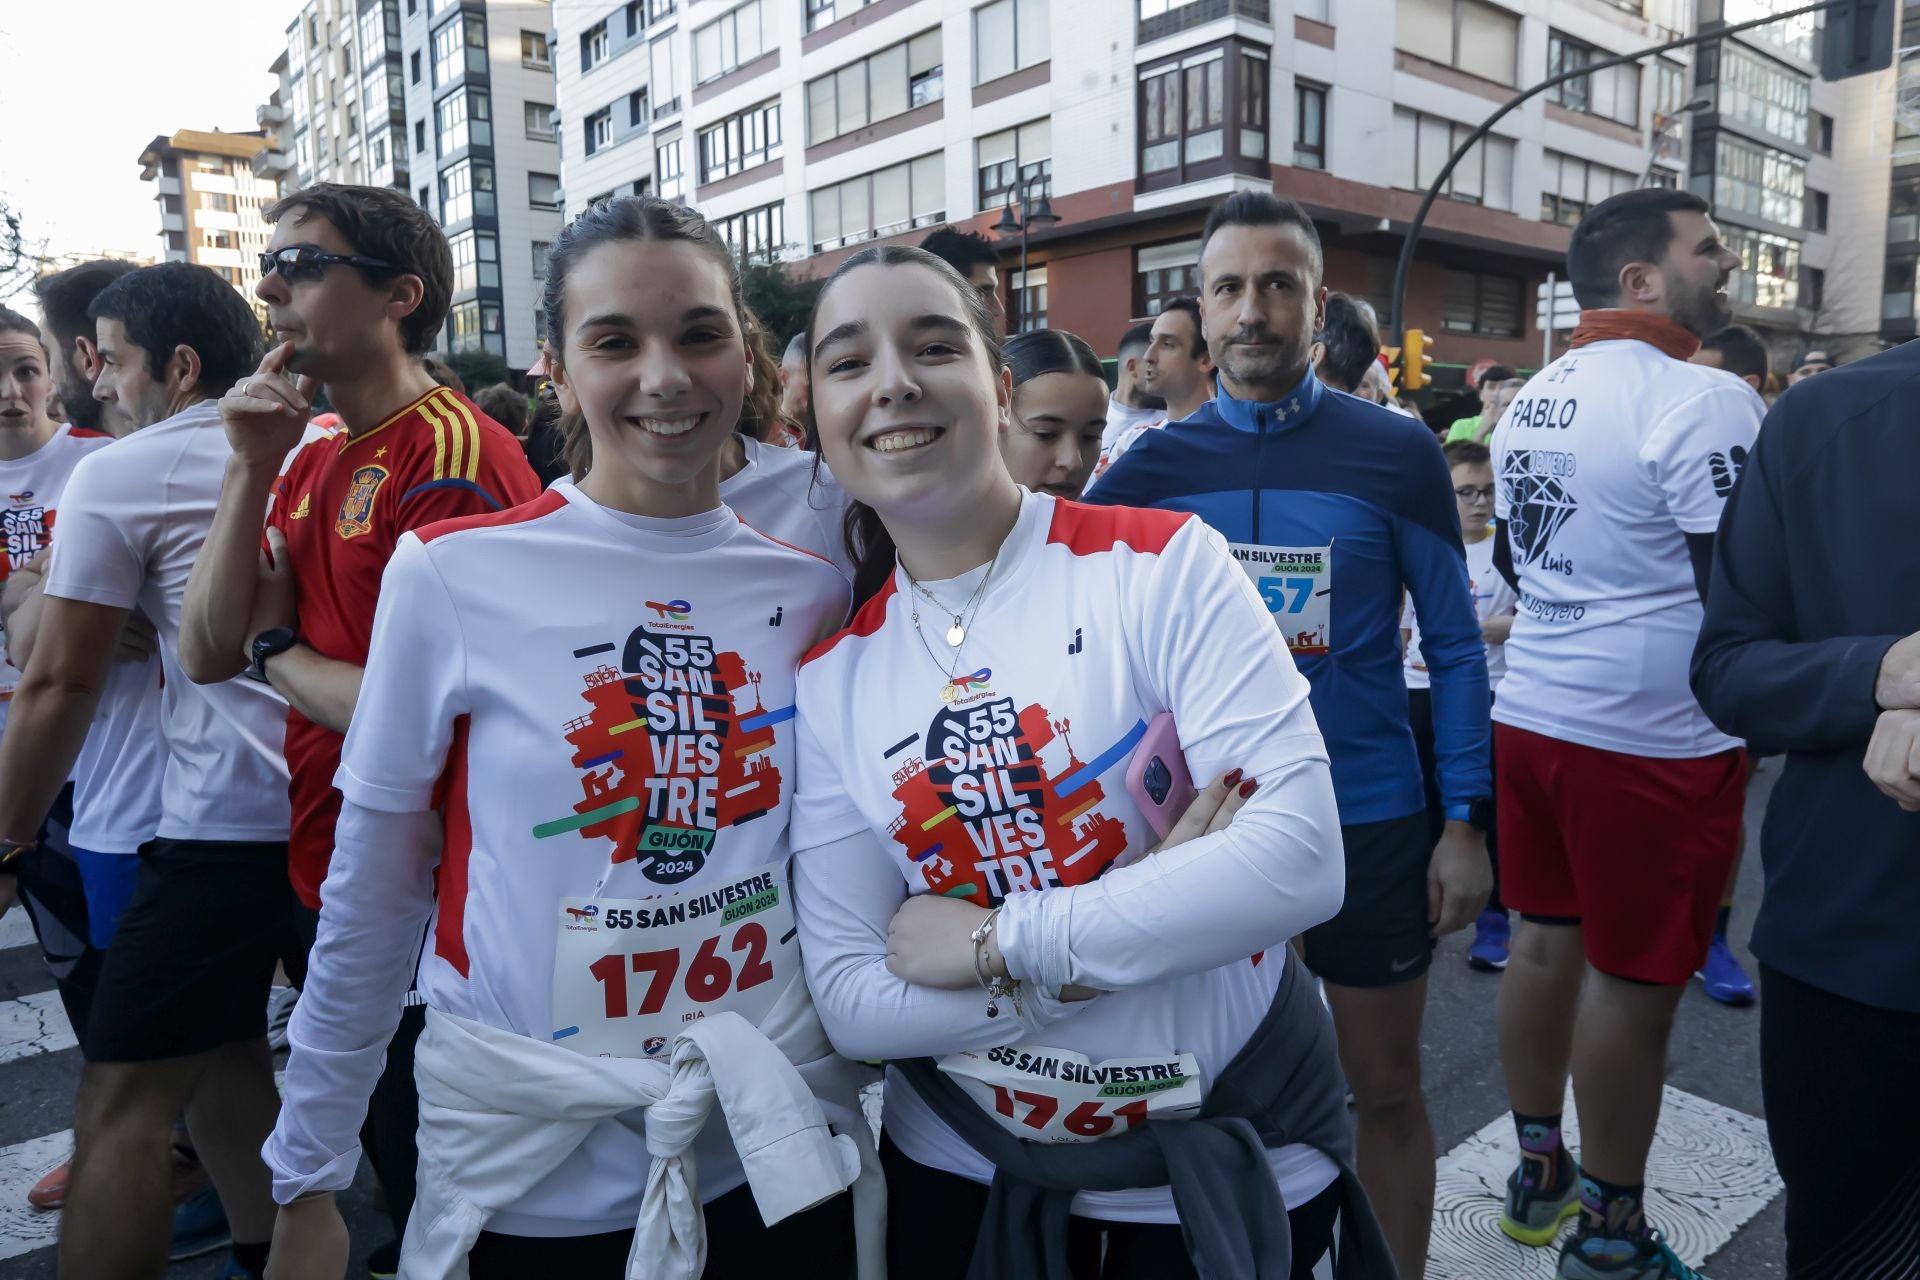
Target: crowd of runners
(1096, 763)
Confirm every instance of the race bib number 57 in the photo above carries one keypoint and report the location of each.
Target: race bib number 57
(1057, 1095)
(629, 973)
(1296, 584)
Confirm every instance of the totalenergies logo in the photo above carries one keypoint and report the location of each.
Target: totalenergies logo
(672, 610)
(967, 688)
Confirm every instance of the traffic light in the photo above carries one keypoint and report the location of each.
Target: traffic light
(1859, 38)
(1414, 362)
(1393, 367)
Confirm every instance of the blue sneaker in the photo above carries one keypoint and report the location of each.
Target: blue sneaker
(1492, 939)
(1722, 975)
(199, 1226)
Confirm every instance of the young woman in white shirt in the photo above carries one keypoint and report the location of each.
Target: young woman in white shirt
(569, 770)
(1052, 437)
(963, 822)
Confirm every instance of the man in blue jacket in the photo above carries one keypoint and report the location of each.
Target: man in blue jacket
(1333, 505)
(1811, 646)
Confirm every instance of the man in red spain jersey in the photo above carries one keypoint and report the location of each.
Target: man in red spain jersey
(356, 282)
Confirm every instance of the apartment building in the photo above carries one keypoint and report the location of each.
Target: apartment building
(1892, 146)
(210, 201)
(340, 109)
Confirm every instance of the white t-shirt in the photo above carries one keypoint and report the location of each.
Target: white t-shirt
(1492, 597)
(137, 515)
(606, 699)
(779, 493)
(1608, 458)
(118, 778)
(1011, 777)
(30, 495)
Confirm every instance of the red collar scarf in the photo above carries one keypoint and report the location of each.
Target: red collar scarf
(1659, 332)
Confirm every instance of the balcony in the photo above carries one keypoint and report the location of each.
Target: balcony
(173, 222)
(1162, 18)
(270, 115)
(169, 186)
(271, 164)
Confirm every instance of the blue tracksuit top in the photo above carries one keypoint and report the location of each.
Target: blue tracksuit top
(1360, 500)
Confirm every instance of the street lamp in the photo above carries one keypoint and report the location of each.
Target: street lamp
(1035, 211)
(1667, 124)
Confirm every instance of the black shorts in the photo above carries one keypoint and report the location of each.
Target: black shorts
(1382, 936)
(193, 957)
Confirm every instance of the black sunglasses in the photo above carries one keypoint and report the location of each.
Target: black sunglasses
(297, 264)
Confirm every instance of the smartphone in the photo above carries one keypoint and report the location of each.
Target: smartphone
(1157, 777)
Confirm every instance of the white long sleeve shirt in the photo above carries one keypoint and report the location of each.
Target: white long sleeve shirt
(1004, 785)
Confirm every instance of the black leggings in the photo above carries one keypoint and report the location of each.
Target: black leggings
(1838, 1078)
(932, 1216)
(818, 1242)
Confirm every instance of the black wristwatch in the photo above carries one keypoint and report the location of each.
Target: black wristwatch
(270, 643)
(1476, 813)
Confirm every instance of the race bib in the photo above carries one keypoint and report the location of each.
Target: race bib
(1057, 1095)
(1297, 585)
(629, 973)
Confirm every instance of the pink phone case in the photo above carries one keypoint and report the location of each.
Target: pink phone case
(1158, 780)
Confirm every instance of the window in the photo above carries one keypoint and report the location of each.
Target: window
(1309, 126)
(1027, 300)
(1669, 87)
(414, 63)
(1903, 211)
(1897, 290)
(659, 10)
(381, 95)
(599, 129)
(1757, 90)
(1613, 94)
(540, 250)
(1008, 35)
(1813, 287)
(666, 98)
(1573, 186)
(426, 198)
(533, 50)
(1820, 133)
(419, 135)
(379, 34)
(883, 203)
(1164, 272)
(539, 121)
(1486, 305)
(219, 201)
(459, 46)
(476, 260)
(540, 324)
(1422, 144)
(1816, 210)
(1013, 159)
(822, 12)
(757, 234)
(636, 17)
(437, 7)
(1770, 276)
(1794, 35)
(1751, 179)
(475, 326)
(727, 42)
(466, 190)
(894, 80)
(462, 119)
(643, 186)
(740, 142)
(637, 112)
(1184, 108)
(543, 190)
(593, 46)
(667, 171)
(1465, 34)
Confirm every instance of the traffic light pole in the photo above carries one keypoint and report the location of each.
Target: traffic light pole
(1486, 126)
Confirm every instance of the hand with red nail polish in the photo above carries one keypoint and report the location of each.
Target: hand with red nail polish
(1211, 810)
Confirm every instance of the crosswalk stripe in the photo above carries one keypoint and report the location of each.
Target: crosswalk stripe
(1711, 1169)
(15, 929)
(23, 1228)
(33, 1025)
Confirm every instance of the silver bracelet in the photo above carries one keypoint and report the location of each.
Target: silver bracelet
(996, 988)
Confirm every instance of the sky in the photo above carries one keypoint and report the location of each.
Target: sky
(85, 85)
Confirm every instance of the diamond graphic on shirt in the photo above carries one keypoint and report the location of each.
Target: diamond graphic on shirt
(1725, 468)
(675, 749)
(984, 813)
(1538, 503)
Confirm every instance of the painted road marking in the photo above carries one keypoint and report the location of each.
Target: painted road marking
(16, 930)
(22, 1228)
(1711, 1169)
(33, 1025)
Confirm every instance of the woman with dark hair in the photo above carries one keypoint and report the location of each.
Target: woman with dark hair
(1084, 1041)
(1059, 410)
(570, 768)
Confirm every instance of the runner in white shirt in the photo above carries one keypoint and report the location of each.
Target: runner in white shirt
(570, 764)
(1130, 406)
(1619, 801)
(1052, 435)
(179, 1020)
(962, 758)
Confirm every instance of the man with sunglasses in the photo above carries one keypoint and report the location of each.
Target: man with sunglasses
(356, 282)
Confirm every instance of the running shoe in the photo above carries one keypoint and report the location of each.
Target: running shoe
(51, 1191)
(1642, 1256)
(1492, 939)
(1722, 975)
(280, 1002)
(1532, 1215)
(384, 1263)
(199, 1226)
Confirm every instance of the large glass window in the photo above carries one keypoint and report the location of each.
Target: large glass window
(896, 79)
(666, 97)
(462, 119)
(476, 260)
(1754, 88)
(475, 326)
(1613, 93)
(667, 170)
(1009, 35)
(1574, 185)
(882, 203)
(1794, 35)
(1163, 272)
(543, 190)
(1758, 181)
(1488, 305)
(466, 190)
(1770, 276)
(1013, 158)
(539, 121)
(728, 41)
(379, 34)
(459, 46)
(533, 50)
(757, 234)
(740, 142)
(820, 13)
(1203, 113)
(1466, 34)
(1421, 146)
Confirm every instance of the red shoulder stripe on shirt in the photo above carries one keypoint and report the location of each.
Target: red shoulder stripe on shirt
(811, 555)
(1087, 531)
(865, 623)
(547, 503)
(85, 433)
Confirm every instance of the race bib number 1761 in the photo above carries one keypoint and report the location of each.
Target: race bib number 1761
(1057, 1095)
